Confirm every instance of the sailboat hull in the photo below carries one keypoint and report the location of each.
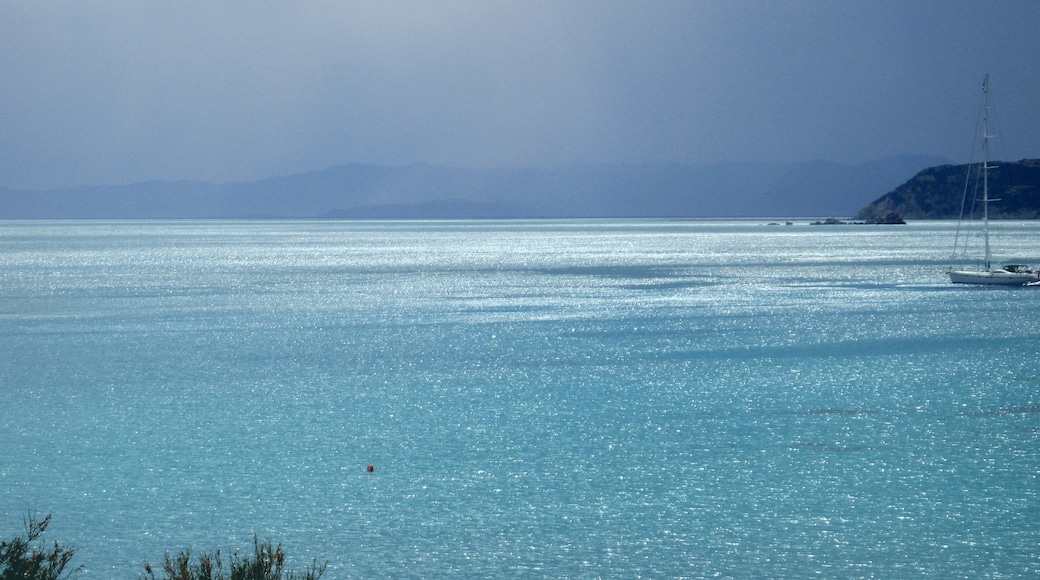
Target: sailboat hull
(992, 277)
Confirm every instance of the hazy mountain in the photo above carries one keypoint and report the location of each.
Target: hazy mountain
(938, 192)
(810, 189)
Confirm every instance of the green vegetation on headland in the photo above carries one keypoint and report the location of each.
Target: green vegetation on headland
(30, 558)
(938, 192)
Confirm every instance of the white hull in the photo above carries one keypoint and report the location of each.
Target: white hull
(995, 277)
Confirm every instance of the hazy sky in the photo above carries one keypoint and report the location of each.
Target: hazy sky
(128, 90)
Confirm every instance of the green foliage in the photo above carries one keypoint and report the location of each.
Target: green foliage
(29, 558)
(267, 563)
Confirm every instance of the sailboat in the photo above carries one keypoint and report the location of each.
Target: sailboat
(1005, 274)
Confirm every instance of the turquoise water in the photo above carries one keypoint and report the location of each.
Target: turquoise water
(538, 399)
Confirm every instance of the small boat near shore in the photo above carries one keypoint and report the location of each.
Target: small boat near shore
(987, 272)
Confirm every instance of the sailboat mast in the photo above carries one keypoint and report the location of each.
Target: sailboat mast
(1005, 275)
(985, 168)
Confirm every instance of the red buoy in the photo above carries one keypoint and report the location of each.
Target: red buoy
(371, 468)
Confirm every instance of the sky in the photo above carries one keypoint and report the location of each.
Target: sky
(121, 91)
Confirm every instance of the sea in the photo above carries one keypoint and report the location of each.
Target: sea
(536, 399)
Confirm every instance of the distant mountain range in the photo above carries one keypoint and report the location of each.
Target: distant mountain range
(421, 191)
(938, 192)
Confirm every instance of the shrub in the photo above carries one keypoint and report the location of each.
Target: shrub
(29, 558)
(267, 563)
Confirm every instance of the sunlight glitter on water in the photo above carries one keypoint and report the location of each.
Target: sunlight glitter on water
(554, 398)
